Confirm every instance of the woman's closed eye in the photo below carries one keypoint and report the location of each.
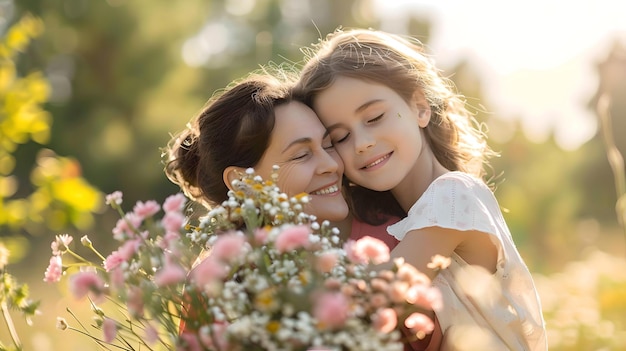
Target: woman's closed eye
(340, 138)
(299, 156)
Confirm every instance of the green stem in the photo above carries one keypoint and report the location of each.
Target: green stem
(10, 325)
(100, 342)
(79, 257)
(97, 253)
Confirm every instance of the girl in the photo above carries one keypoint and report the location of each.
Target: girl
(403, 132)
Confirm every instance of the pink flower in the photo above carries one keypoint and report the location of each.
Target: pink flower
(170, 274)
(114, 198)
(169, 240)
(331, 310)
(188, 342)
(135, 301)
(325, 262)
(174, 203)
(260, 236)
(439, 262)
(385, 320)
(127, 226)
(419, 324)
(123, 254)
(209, 274)
(173, 221)
(332, 284)
(213, 336)
(54, 271)
(109, 329)
(84, 283)
(367, 250)
(378, 300)
(292, 238)
(229, 246)
(408, 273)
(146, 209)
(151, 334)
(116, 277)
(398, 291)
(379, 284)
(113, 261)
(424, 296)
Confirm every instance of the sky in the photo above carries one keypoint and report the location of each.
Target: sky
(537, 58)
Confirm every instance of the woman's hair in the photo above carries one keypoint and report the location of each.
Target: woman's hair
(401, 64)
(233, 129)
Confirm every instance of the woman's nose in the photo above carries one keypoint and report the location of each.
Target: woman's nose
(327, 163)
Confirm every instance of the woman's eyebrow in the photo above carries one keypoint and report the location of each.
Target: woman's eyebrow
(305, 140)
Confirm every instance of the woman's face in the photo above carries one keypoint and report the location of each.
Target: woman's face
(308, 163)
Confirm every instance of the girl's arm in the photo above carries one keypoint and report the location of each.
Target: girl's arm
(420, 245)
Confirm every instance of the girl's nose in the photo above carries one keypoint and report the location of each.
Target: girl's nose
(363, 141)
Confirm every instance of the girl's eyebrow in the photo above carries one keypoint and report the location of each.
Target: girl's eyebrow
(359, 109)
(367, 104)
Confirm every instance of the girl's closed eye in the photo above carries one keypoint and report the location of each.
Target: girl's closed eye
(376, 119)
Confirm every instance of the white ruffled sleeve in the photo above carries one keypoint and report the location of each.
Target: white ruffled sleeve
(455, 201)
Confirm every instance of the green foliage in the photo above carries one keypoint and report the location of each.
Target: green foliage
(60, 196)
(13, 296)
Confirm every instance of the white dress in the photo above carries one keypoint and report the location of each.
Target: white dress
(505, 303)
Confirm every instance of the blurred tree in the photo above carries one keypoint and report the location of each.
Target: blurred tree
(610, 106)
(59, 196)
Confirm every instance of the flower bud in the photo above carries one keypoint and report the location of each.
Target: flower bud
(61, 323)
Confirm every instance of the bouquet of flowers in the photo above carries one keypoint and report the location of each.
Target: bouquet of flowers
(256, 273)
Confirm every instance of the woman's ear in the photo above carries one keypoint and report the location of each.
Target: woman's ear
(420, 104)
(231, 173)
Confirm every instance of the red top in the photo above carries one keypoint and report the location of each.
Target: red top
(361, 229)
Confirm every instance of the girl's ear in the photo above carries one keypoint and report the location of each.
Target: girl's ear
(422, 108)
(231, 173)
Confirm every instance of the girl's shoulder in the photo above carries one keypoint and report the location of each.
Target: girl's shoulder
(457, 179)
(455, 187)
(455, 200)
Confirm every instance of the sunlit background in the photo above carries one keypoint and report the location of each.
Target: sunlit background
(123, 75)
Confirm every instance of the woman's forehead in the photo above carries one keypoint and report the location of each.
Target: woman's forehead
(296, 121)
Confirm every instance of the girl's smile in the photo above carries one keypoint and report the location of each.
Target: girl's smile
(377, 162)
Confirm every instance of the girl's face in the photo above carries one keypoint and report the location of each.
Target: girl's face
(308, 162)
(374, 130)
